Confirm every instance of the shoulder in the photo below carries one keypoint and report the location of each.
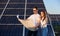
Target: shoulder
(31, 15)
(38, 15)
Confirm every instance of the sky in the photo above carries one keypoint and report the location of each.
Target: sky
(52, 6)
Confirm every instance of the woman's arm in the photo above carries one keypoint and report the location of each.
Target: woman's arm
(45, 21)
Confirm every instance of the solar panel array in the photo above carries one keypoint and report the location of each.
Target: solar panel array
(18, 7)
(9, 25)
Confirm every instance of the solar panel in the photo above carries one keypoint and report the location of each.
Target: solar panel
(9, 24)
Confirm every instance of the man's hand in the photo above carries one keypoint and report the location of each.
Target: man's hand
(18, 16)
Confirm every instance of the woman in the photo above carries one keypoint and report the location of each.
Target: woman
(44, 21)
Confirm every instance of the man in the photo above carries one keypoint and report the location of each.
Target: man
(35, 17)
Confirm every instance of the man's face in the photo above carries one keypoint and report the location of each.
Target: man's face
(35, 11)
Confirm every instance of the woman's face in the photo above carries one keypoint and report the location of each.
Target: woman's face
(42, 14)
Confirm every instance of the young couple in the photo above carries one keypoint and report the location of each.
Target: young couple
(39, 20)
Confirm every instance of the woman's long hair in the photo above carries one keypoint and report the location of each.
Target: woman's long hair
(45, 14)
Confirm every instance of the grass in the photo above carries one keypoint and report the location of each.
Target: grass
(57, 29)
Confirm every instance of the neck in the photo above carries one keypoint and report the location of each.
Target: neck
(35, 13)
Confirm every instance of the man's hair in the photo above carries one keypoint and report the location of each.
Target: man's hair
(36, 7)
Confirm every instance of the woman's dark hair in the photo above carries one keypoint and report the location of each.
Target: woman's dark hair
(45, 13)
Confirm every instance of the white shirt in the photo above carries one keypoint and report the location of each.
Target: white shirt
(44, 23)
(34, 18)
